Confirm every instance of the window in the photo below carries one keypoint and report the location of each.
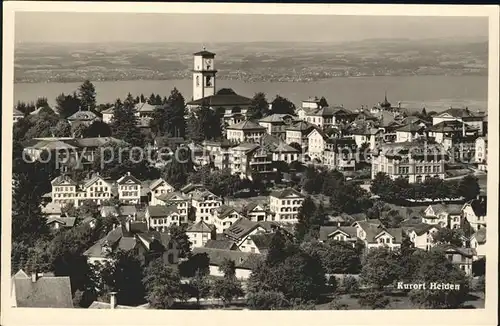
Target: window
(170, 258)
(197, 80)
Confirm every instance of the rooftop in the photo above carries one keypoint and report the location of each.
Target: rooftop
(45, 292)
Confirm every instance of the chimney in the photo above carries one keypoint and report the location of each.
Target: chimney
(128, 173)
(34, 277)
(112, 300)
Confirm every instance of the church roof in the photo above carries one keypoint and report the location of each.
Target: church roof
(205, 53)
(222, 100)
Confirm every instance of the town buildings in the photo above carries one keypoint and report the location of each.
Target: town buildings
(284, 205)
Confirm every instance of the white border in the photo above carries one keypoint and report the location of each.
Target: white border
(32, 316)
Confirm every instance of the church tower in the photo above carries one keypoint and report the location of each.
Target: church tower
(203, 74)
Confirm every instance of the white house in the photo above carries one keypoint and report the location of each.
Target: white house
(129, 189)
(157, 188)
(285, 204)
(199, 234)
(374, 235)
(204, 203)
(160, 218)
(180, 200)
(475, 213)
(224, 216)
(256, 212)
(298, 132)
(107, 115)
(335, 233)
(245, 131)
(409, 132)
(422, 236)
(316, 141)
(443, 215)
(241, 232)
(481, 152)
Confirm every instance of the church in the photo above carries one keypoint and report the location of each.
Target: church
(233, 106)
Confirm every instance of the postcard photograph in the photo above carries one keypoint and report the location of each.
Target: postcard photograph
(230, 161)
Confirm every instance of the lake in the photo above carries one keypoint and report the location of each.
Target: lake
(433, 92)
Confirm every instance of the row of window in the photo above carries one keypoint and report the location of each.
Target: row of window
(162, 221)
(130, 193)
(129, 187)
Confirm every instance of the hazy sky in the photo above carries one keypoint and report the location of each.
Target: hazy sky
(127, 27)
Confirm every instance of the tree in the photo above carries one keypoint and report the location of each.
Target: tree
(350, 198)
(178, 168)
(178, 234)
(228, 268)
(227, 289)
(162, 284)
(267, 300)
(383, 186)
(206, 124)
(337, 257)
(259, 107)
(79, 130)
(305, 218)
(41, 124)
(195, 263)
(434, 267)
(350, 284)
(322, 102)
(42, 102)
(124, 275)
(67, 105)
(124, 123)
(449, 236)
(201, 285)
(374, 300)
(468, 187)
(281, 105)
(97, 129)
(380, 268)
(168, 118)
(87, 94)
(61, 129)
(25, 108)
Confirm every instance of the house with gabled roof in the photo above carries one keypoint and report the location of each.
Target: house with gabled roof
(204, 203)
(245, 262)
(245, 131)
(224, 216)
(200, 233)
(472, 118)
(40, 291)
(129, 189)
(374, 235)
(285, 204)
(475, 213)
(160, 217)
(297, 133)
(443, 215)
(460, 257)
(276, 124)
(316, 142)
(422, 235)
(338, 233)
(409, 132)
(256, 211)
(223, 243)
(177, 198)
(159, 187)
(256, 243)
(63, 222)
(83, 117)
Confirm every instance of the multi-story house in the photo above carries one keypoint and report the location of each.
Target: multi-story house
(328, 117)
(460, 257)
(340, 153)
(180, 200)
(470, 118)
(284, 153)
(204, 203)
(409, 132)
(248, 159)
(276, 124)
(224, 216)
(160, 218)
(129, 189)
(365, 134)
(298, 132)
(107, 115)
(285, 204)
(475, 213)
(219, 153)
(97, 189)
(481, 153)
(159, 187)
(422, 236)
(311, 104)
(64, 190)
(443, 215)
(413, 161)
(200, 233)
(316, 141)
(245, 131)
